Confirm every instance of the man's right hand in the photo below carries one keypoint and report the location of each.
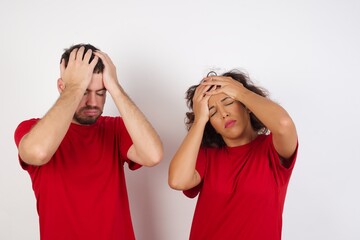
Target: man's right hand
(79, 70)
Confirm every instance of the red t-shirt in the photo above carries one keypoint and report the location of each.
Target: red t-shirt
(242, 192)
(81, 191)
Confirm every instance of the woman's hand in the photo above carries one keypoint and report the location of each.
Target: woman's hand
(200, 103)
(225, 85)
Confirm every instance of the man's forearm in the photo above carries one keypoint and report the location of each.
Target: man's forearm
(38, 146)
(147, 145)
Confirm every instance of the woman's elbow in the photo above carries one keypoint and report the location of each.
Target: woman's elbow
(286, 127)
(180, 183)
(174, 184)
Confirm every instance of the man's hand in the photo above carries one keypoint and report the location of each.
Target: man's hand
(79, 70)
(109, 75)
(147, 147)
(39, 145)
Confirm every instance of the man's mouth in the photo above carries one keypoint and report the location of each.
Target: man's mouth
(91, 111)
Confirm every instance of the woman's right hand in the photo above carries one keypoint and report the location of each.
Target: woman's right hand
(200, 104)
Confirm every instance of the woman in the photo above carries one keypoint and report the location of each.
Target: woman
(238, 154)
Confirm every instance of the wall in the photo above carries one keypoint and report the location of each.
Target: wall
(306, 53)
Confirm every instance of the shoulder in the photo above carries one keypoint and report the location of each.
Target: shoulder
(23, 128)
(26, 125)
(262, 140)
(211, 152)
(31, 121)
(109, 119)
(113, 124)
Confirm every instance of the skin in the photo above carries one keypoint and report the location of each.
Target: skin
(232, 122)
(92, 103)
(81, 101)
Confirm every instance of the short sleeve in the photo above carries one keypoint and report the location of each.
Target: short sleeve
(125, 144)
(283, 173)
(22, 129)
(200, 167)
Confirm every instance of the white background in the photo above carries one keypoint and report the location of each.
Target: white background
(305, 52)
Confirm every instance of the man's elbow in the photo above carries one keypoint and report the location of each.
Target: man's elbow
(34, 156)
(154, 159)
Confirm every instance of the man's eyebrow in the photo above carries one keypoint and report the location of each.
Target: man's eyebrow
(102, 89)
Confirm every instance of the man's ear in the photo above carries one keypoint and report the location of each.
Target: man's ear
(60, 85)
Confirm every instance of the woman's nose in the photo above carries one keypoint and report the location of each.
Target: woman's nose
(223, 112)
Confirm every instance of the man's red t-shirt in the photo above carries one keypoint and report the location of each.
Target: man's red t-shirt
(242, 192)
(81, 192)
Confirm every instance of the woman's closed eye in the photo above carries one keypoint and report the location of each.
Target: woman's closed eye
(225, 102)
(212, 111)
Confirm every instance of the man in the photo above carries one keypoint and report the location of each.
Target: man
(75, 156)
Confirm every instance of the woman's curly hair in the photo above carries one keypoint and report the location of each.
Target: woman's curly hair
(211, 138)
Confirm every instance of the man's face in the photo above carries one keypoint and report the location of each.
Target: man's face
(92, 103)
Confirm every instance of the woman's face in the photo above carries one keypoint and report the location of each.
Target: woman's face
(230, 119)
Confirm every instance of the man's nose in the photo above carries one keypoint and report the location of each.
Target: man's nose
(91, 99)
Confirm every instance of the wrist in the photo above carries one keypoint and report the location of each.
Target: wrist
(73, 89)
(115, 89)
(200, 121)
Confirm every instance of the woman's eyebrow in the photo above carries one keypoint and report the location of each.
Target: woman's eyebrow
(225, 99)
(222, 100)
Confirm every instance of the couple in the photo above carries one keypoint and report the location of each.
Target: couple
(238, 154)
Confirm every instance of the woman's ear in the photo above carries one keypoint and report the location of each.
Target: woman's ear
(60, 85)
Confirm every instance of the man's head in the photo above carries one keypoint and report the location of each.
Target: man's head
(92, 103)
(99, 68)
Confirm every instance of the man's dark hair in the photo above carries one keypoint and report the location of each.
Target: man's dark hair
(99, 68)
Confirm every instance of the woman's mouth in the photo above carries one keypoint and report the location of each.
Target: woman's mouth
(230, 123)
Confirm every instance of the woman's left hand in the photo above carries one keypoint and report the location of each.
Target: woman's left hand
(225, 85)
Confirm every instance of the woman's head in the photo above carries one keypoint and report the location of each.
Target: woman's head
(211, 138)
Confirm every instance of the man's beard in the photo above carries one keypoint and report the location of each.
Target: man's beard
(86, 120)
